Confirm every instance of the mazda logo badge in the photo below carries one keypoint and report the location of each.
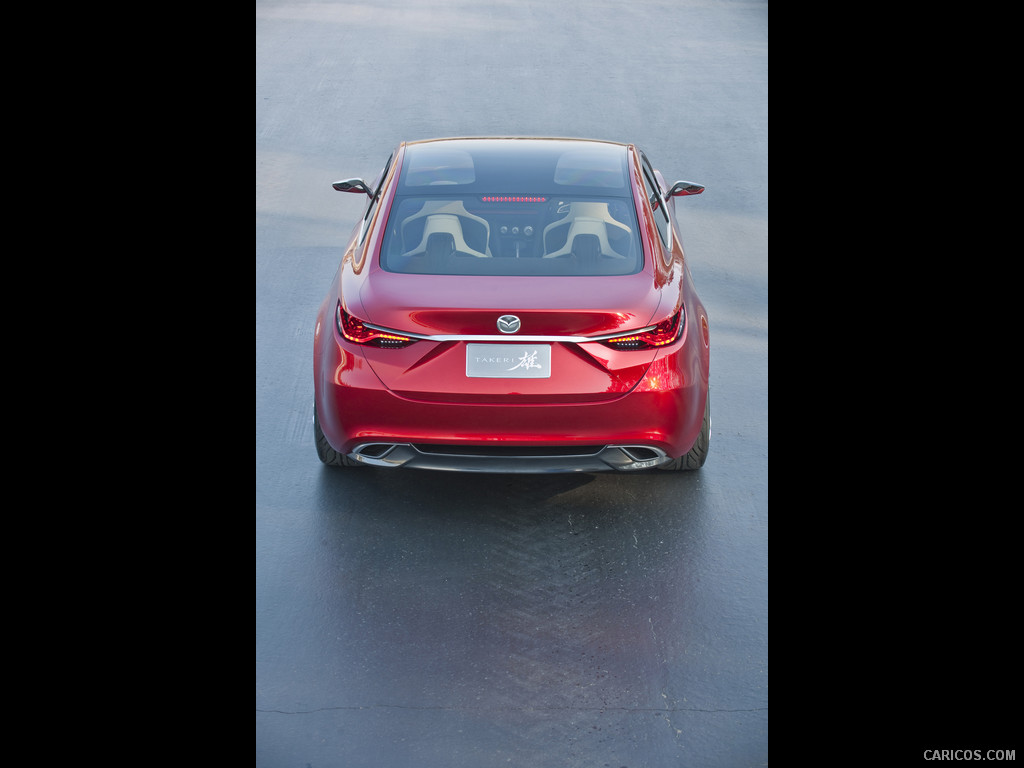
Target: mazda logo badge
(508, 323)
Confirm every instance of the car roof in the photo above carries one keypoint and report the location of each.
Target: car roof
(522, 164)
(509, 142)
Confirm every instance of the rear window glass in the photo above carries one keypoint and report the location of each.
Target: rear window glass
(513, 234)
(520, 208)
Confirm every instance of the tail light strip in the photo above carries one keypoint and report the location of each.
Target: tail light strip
(660, 335)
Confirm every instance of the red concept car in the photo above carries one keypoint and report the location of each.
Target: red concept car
(514, 305)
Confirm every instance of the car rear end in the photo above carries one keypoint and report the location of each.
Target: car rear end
(500, 332)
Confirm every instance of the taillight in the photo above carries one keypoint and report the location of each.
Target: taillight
(358, 332)
(663, 333)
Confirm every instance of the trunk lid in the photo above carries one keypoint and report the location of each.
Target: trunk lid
(516, 367)
(471, 305)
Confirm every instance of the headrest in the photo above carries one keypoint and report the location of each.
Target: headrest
(586, 246)
(440, 243)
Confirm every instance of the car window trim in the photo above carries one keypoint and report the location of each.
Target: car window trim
(374, 201)
(652, 179)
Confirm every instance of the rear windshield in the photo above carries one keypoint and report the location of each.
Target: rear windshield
(467, 210)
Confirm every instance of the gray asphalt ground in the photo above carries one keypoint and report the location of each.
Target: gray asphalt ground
(422, 619)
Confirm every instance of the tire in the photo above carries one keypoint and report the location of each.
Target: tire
(699, 453)
(327, 454)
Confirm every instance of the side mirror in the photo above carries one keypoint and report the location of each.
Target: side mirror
(352, 185)
(684, 188)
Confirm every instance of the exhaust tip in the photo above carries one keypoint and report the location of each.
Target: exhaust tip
(375, 450)
(642, 453)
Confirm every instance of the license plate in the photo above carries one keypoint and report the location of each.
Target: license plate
(508, 361)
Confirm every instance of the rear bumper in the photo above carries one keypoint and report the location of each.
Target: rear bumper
(640, 430)
(656, 421)
(621, 458)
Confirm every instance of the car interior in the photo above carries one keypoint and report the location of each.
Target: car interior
(513, 235)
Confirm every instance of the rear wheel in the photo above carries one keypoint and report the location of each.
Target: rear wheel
(327, 454)
(698, 454)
